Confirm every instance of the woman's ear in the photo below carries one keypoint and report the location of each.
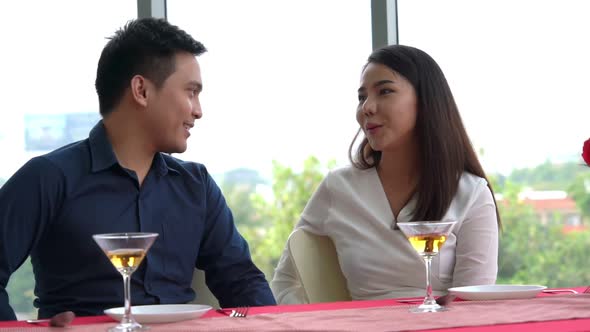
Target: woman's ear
(139, 90)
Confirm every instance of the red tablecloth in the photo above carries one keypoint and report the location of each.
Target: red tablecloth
(557, 325)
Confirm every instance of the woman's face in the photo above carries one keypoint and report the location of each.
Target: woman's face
(387, 108)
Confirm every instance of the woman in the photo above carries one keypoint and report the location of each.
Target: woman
(415, 162)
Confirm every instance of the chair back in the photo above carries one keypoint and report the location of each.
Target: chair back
(316, 262)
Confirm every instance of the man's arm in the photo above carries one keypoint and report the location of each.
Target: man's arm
(28, 201)
(224, 256)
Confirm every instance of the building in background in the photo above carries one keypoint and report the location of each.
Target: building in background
(554, 207)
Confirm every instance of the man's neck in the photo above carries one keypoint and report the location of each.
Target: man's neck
(130, 144)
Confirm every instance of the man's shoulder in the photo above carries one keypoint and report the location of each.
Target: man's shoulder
(66, 158)
(184, 167)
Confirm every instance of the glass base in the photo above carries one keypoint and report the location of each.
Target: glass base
(428, 308)
(129, 327)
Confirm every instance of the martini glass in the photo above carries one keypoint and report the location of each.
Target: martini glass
(427, 237)
(126, 251)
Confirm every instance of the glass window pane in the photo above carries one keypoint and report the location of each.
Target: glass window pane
(280, 81)
(49, 58)
(518, 70)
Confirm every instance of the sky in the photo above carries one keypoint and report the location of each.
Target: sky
(280, 76)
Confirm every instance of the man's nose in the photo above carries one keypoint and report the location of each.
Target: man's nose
(197, 111)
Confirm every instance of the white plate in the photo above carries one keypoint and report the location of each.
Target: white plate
(161, 313)
(497, 292)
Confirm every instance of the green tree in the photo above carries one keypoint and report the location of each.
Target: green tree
(579, 190)
(547, 176)
(238, 186)
(519, 222)
(497, 181)
(20, 290)
(291, 191)
(532, 253)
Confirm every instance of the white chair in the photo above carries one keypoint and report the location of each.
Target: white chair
(204, 295)
(316, 263)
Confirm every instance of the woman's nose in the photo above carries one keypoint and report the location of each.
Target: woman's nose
(368, 107)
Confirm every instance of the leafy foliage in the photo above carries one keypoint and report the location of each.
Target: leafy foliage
(291, 191)
(579, 190)
(238, 186)
(546, 176)
(20, 288)
(532, 253)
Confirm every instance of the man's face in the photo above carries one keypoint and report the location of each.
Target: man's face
(173, 108)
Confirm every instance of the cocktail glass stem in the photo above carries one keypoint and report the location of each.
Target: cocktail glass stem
(429, 304)
(127, 318)
(428, 300)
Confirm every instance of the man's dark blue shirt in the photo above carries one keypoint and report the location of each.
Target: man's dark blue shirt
(54, 204)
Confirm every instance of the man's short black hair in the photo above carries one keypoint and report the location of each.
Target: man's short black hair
(144, 47)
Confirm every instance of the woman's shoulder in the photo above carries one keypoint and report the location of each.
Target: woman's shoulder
(349, 174)
(471, 181)
(470, 186)
(471, 189)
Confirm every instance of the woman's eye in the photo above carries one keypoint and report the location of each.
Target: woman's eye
(362, 98)
(385, 91)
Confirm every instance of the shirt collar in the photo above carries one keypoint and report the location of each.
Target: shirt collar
(161, 166)
(101, 149)
(104, 157)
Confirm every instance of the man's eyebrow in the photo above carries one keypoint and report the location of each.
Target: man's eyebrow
(196, 84)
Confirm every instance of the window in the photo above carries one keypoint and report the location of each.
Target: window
(280, 79)
(49, 58)
(518, 72)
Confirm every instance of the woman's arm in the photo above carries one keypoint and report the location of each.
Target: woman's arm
(476, 255)
(286, 286)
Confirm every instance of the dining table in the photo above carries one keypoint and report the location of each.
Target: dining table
(552, 310)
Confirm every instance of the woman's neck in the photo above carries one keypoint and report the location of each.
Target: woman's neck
(399, 174)
(400, 167)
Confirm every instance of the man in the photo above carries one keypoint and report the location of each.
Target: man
(122, 179)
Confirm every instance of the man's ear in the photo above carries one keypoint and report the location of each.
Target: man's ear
(139, 89)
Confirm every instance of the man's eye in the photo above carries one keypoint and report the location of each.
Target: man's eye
(362, 98)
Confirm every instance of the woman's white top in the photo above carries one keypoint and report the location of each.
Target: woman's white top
(350, 206)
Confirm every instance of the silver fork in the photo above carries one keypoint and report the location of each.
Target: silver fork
(240, 312)
(560, 291)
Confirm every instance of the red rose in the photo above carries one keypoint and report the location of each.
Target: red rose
(586, 152)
